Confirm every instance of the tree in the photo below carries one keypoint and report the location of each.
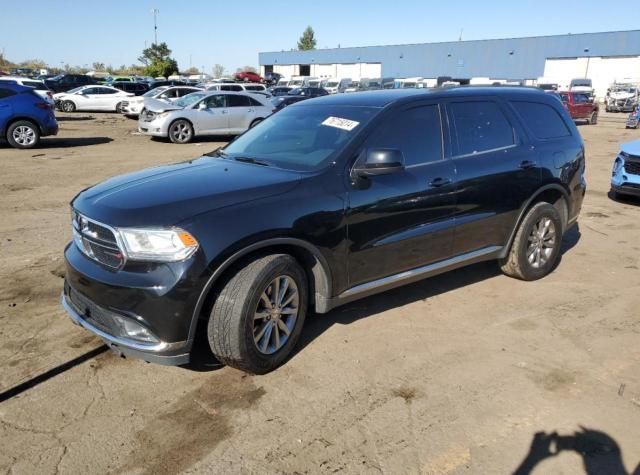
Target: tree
(308, 40)
(192, 70)
(158, 61)
(98, 66)
(217, 71)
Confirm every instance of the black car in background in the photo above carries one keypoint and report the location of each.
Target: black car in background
(280, 91)
(154, 84)
(308, 92)
(328, 201)
(280, 102)
(66, 82)
(137, 88)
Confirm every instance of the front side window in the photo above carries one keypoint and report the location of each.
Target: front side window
(302, 138)
(481, 126)
(215, 101)
(416, 132)
(106, 90)
(90, 90)
(190, 99)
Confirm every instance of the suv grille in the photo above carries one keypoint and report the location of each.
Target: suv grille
(96, 241)
(632, 167)
(92, 313)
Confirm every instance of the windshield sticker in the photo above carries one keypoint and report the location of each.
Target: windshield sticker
(338, 123)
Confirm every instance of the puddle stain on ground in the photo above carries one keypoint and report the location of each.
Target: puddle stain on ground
(194, 425)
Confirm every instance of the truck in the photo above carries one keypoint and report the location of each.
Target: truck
(580, 106)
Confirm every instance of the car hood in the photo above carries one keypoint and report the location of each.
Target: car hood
(622, 95)
(167, 195)
(631, 148)
(158, 105)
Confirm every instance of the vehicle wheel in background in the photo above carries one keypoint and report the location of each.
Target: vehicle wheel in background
(593, 120)
(23, 134)
(255, 122)
(180, 131)
(258, 315)
(119, 107)
(536, 246)
(68, 106)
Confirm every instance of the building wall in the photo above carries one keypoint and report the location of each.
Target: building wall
(515, 58)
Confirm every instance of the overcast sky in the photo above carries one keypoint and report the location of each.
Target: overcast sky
(202, 33)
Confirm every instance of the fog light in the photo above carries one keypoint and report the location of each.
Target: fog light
(130, 329)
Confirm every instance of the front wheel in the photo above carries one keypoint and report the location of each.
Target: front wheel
(536, 246)
(68, 106)
(180, 131)
(119, 107)
(258, 315)
(23, 134)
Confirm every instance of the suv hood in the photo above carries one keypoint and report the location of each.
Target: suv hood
(167, 195)
(631, 148)
(622, 95)
(157, 105)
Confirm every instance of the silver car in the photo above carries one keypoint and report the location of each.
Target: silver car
(203, 113)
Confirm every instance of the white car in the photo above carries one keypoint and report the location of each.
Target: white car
(132, 107)
(203, 113)
(336, 85)
(40, 88)
(91, 98)
(237, 87)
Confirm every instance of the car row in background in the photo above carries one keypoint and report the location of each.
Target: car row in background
(91, 98)
(38, 86)
(133, 106)
(24, 115)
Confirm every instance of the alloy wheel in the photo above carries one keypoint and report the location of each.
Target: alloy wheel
(276, 314)
(181, 132)
(24, 135)
(542, 242)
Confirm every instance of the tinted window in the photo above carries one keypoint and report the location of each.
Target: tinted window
(543, 120)
(231, 88)
(214, 101)
(105, 90)
(254, 102)
(90, 90)
(480, 126)
(580, 98)
(416, 132)
(238, 101)
(6, 93)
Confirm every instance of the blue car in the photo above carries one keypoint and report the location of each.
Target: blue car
(625, 179)
(24, 116)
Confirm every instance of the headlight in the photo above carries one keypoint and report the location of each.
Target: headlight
(162, 115)
(159, 245)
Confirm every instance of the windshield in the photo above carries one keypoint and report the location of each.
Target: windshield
(56, 78)
(331, 84)
(302, 138)
(189, 99)
(314, 83)
(155, 91)
(295, 83)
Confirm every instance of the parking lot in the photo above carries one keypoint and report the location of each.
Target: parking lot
(455, 374)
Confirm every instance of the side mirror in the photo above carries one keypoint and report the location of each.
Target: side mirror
(379, 161)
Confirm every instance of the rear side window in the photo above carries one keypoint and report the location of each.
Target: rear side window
(480, 127)
(254, 102)
(416, 132)
(4, 93)
(237, 101)
(543, 120)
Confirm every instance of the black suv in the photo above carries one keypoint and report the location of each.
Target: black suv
(331, 200)
(136, 88)
(66, 82)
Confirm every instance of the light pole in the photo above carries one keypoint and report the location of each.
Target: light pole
(155, 12)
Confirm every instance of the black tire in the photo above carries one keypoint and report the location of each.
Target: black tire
(68, 106)
(255, 122)
(23, 134)
(180, 131)
(119, 107)
(232, 323)
(517, 263)
(593, 120)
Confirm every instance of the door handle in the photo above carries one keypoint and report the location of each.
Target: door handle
(223, 112)
(527, 164)
(438, 182)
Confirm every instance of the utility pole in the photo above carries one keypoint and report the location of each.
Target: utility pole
(155, 12)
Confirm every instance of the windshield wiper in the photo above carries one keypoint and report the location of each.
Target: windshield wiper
(255, 161)
(217, 153)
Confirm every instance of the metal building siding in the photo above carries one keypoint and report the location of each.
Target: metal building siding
(468, 59)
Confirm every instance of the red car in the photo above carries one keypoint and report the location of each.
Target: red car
(580, 106)
(247, 76)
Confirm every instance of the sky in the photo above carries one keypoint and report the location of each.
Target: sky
(203, 33)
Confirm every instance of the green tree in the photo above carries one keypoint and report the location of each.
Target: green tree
(158, 61)
(308, 40)
(98, 66)
(192, 70)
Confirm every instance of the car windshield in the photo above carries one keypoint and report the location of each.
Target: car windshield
(331, 84)
(295, 83)
(155, 91)
(302, 138)
(190, 99)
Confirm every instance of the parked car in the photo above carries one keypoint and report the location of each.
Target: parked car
(132, 107)
(236, 87)
(66, 82)
(203, 113)
(633, 120)
(308, 92)
(280, 91)
(622, 98)
(331, 200)
(336, 85)
(91, 98)
(24, 116)
(38, 86)
(248, 76)
(135, 88)
(580, 106)
(353, 86)
(625, 179)
(281, 102)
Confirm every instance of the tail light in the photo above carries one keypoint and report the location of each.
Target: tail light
(43, 105)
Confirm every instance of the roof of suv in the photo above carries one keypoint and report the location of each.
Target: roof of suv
(387, 96)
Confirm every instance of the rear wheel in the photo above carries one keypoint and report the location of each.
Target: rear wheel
(593, 120)
(258, 315)
(536, 246)
(180, 131)
(68, 106)
(23, 134)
